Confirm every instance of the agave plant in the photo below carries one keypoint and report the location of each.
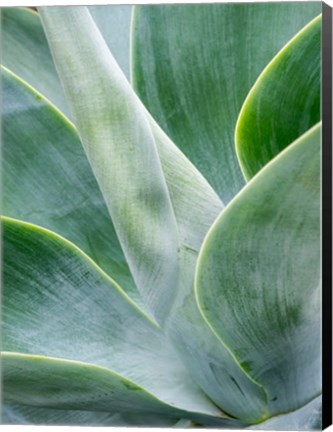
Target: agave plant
(161, 238)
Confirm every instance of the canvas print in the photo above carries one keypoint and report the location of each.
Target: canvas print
(161, 228)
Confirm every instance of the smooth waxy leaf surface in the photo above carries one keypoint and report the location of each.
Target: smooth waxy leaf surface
(195, 206)
(258, 276)
(25, 50)
(57, 383)
(47, 179)
(85, 317)
(306, 418)
(193, 66)
(120, 146)
(26, 53)
(212, 366)
(186, 187)
(16, 414)
(284, 102)
(46, 382)
(114, 23)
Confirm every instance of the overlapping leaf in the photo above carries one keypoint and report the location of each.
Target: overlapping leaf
(193, 66)
(121, 149)
(58, 383)
(14, 414)
(195, 206)
(185, 184)
(47, 179)
(284, 102)
(86, 318)
(258, 277)
(45, 382)
(306, 418)
(212, 365)
(26, 53)
(25, 50)
(114, 23)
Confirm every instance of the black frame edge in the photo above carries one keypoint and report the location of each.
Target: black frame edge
(327, 214)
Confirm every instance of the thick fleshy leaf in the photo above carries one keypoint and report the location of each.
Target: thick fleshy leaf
(193, 66)
(54, 383)
(117, 138)
(15, 414)
(209, 362)
(26, 53)
(57, 383)
(85, 317)
(187, 187)
(25, 50)
(258, 276)
(306, 418)
(284, 102)
(195, 206)
(212, 366)
(47, 179)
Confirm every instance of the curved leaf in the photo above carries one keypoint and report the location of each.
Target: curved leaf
(25, 50)
(193, 66)
(46, 382)
(85, 317)
(121, 149)
(184, 181)
(63, 384)
(195, 206)
(283, 103)
(187, 187)
(42, 153)
(305, 418)
(258, 276)
(15, 414)
(26, 53)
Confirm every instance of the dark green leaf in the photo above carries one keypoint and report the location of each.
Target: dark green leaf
(193, 66)
(284, 102)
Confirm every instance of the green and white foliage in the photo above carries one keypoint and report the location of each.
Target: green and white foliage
(161, 228)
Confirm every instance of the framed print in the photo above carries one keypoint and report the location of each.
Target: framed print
(167, 215)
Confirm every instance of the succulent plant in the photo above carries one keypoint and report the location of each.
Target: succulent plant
(162, 237)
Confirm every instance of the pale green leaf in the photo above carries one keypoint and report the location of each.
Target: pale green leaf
(54, 383)
(85, 317)
(57, 383)
(121, 149)
(25, 50)
(258, 276)
(26, 53)
(305, 418)
(194, 203)
(283, 103)
(193, 66)
(114, 23)
(15, 414)
(47, 178)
